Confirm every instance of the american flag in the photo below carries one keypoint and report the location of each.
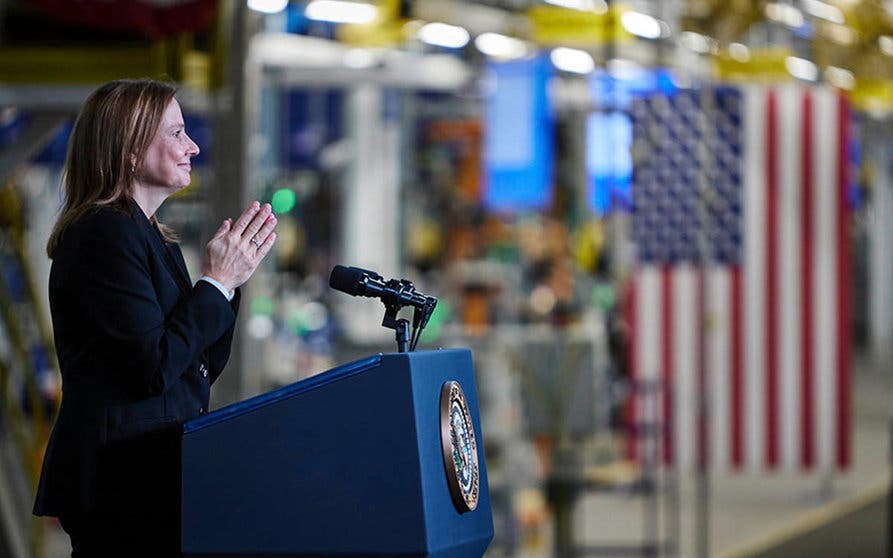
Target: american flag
(741, 225)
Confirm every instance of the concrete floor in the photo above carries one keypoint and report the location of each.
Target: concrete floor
(754, 515)
(853, 534)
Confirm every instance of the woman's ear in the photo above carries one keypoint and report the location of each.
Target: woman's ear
(132, 163)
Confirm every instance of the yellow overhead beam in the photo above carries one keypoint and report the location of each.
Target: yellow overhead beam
(174, 58)
(49, 65)
(387, 29)
(554, 25)
(767, 64)
(873, 95)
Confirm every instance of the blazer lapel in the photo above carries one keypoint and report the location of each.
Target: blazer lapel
(180, 275)
(175, 268)
(180, 263)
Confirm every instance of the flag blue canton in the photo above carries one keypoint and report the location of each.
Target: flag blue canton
(678, 193)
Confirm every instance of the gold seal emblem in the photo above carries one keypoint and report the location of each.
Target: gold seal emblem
(460, 456)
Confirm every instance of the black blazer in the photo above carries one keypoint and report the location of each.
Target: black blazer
(139, 348)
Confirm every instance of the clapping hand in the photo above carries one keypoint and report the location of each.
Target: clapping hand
(236, 249)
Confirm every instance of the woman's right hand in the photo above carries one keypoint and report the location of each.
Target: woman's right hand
(237, 248)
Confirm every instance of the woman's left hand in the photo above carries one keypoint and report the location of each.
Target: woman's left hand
(236, 249)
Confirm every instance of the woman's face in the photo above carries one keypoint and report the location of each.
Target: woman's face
(166, 163)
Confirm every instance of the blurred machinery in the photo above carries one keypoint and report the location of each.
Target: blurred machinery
(30, 389)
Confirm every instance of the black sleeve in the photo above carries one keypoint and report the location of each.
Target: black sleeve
(144, 347)
(218, 353)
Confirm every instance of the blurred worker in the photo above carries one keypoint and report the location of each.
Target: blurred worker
(139, 345)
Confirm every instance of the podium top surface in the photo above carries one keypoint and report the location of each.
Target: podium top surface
(303, 386)
(249, 405)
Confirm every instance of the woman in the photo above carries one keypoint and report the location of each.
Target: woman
(139, 345)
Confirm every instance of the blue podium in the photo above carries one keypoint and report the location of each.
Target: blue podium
(379, 457)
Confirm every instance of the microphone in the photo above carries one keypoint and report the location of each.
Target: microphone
(356, 281)
(394, 293)
(350, 280)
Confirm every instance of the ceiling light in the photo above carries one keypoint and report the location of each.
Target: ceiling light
(500, 46)
(572, 60)
(824, 11)
(695, 41)
(784, 14)
(841, 78)
(885, 42)
(801, 68)
(840, 34)
(267, 6)
(642, 25)
(597, 6)
(441, 34)
(739, 52)
(340, 11)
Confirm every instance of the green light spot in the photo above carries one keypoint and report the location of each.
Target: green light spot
(296, 323)
(262, 306)
(283, 200)
(432, 331)
(604, 296)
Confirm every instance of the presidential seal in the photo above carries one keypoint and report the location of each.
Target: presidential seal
(460, 456)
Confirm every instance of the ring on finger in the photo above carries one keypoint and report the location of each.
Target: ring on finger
(255, 241)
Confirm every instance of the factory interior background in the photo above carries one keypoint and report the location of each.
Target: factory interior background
(663, 227)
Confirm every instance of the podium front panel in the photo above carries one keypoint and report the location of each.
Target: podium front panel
(346, 463)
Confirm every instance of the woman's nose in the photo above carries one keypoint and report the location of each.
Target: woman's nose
(192, 149)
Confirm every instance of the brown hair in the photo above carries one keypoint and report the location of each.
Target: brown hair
(110, 138)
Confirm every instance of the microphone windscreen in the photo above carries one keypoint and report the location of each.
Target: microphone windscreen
(347, 279)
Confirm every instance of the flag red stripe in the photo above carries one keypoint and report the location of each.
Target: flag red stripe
(631, 418)
(843, 290)
(667, 358)
(771, 280)
(806, 287)
(737, 369)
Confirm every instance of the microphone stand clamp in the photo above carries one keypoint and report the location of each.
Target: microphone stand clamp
(401, 292)
(400, 326)
(390, 321)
